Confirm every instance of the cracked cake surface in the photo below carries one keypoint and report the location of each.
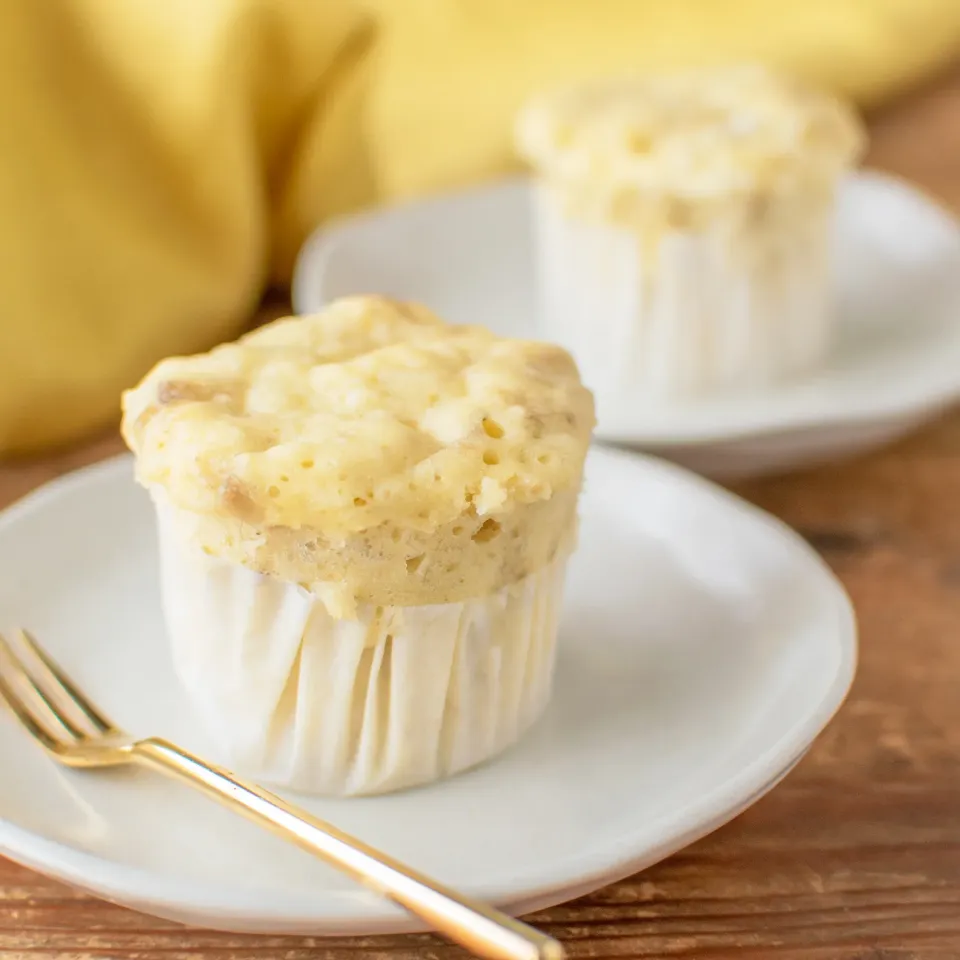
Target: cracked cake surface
(372, 446)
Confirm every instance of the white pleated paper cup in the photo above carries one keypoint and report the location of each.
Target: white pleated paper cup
(399, 696)
(674, 314)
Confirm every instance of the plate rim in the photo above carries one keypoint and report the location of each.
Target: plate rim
(207, 904)
(927, 397)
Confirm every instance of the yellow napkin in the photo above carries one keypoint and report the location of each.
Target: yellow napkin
(153, 154)
(160, 159)
(454, 71)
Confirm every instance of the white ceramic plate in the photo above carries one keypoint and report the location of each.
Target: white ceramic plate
(897, 270)
(703, 648)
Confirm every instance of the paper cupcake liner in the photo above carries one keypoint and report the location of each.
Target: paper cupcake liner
(678, 313)
(400, 696)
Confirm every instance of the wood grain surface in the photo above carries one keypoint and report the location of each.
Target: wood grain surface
(855, 855)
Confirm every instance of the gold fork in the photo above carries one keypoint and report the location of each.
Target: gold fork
(77, 734)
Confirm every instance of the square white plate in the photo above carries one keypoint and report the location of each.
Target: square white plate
(703, 647)
(469, 256)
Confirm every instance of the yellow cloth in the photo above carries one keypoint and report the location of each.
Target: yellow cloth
(160, 159)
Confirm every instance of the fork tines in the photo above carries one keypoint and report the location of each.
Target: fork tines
(43, 697)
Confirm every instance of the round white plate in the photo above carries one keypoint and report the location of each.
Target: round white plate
(469, 256)
(703, 648)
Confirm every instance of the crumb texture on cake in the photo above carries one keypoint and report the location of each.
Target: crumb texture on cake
(695, 134)
(370, 445)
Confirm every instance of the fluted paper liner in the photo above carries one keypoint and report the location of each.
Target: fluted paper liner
(670, 313)
(400, 696)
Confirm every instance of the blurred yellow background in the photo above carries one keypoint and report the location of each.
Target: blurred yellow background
(162, 162)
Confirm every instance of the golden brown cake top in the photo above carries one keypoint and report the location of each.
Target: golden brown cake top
(372, 415)
(697, 133)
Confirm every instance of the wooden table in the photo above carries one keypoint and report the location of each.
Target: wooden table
(855, 855)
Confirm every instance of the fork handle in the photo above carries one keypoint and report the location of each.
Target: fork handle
(483, 930)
